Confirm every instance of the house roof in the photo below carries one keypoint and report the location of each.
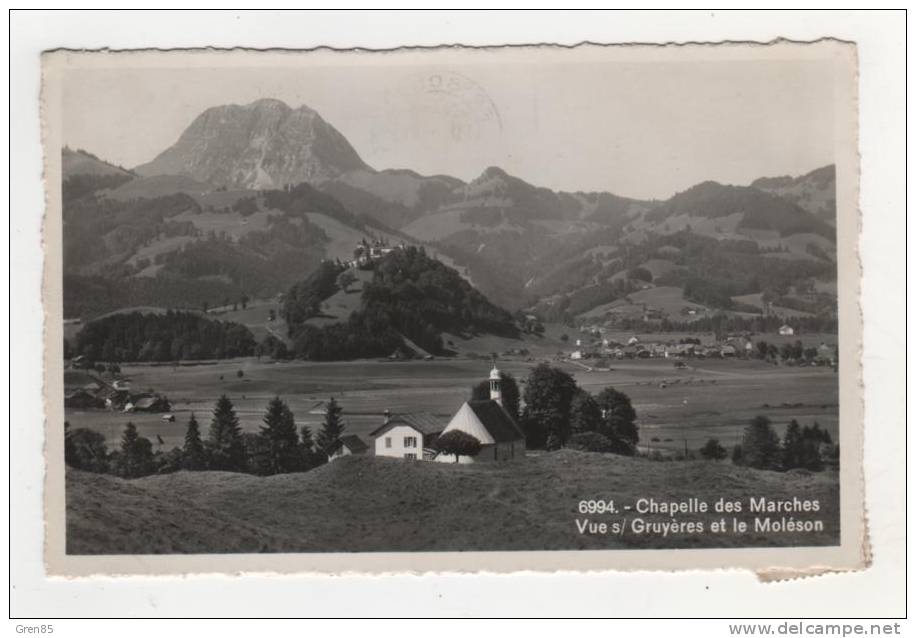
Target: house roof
(321, 407)
(422, 422)
(353, 443)
(486, 420)
(79, 392)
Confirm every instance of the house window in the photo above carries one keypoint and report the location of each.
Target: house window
(410, 441)
(387, 441)
(410, 456)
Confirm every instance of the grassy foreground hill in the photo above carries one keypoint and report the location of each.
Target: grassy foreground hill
(368, 504)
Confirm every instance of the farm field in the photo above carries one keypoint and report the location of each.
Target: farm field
(711, 398)
(370, 504)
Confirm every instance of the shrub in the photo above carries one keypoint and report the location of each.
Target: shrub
(86, 450)
(713, 450)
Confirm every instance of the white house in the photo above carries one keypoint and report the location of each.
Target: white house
(786, 330)
(346, 446)
(488, 421)
(407, 436)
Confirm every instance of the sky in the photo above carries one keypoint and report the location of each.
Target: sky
(642, 129)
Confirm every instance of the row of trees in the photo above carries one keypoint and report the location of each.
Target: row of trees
(793, 352)
(801, 447)
(277, 448)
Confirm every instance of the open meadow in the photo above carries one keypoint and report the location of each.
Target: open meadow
(372, 504)
(675, 408)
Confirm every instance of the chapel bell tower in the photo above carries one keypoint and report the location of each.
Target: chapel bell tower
(496, 393)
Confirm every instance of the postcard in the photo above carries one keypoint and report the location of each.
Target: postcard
(453, 310)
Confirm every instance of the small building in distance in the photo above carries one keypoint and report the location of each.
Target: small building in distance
(347, 445)
(407, 436)
(121, 384)
(319, 409)
(786, 330)
(488, 421)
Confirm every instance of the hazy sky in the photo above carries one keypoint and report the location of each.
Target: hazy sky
(637, 129)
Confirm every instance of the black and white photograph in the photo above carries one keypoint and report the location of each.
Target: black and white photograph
(505, 302)
(413, 315)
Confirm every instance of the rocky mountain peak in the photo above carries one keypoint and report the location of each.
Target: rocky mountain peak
(264, 144)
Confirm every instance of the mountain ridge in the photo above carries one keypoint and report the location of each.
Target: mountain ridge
(518, 242)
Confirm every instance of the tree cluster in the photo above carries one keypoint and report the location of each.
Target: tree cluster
(793, 353)
(556, 409)
(801, 447)
(169, 336)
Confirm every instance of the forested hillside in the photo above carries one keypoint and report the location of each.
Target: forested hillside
(171, 336)
(760, 210)
(187, 250)
(411, 295)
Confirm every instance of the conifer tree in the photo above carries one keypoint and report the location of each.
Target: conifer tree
(792, 446)
(225, 447)
(760, 445)
(194, 456)
(279, 431)
(331, 429)
(305, 438)
(136, 457)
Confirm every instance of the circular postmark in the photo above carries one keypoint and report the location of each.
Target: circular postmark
(437, 108)
(464, 104)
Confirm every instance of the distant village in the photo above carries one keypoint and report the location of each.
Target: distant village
(595, 345)
(108, 389)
